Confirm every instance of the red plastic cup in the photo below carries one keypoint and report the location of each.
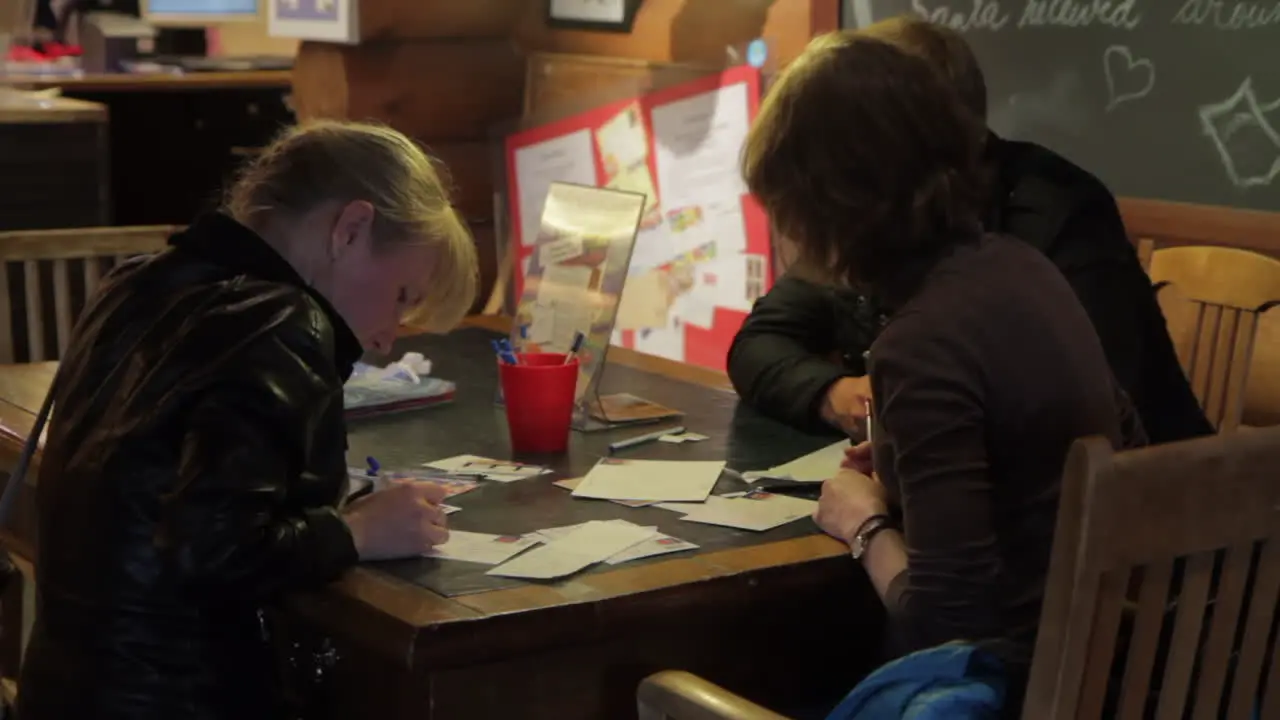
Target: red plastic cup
(538, 394)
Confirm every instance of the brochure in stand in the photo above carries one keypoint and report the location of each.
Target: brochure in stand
(575, 278)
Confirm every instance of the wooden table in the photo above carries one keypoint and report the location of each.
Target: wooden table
(151, 82)
(778, 623)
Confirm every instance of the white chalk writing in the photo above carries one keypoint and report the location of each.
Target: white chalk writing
(1242, 114)
(1080, 13)
(989, 15)
(980, 15)
(1228, 15)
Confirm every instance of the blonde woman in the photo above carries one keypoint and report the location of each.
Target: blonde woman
(196, 454)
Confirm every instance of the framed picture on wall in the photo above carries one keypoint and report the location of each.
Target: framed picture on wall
(603, 15)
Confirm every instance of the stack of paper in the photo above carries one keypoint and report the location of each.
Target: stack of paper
(487, 468)
(650, 480)
(815, 467)
(481, 547)
(758, 511)
(658, 544)
(576, 550)
(573, 483)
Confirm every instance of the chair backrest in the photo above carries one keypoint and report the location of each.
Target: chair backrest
(1228, 289)
(1194, 527)
(47, 276)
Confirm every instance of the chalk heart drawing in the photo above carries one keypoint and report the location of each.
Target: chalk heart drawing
(1127, 78)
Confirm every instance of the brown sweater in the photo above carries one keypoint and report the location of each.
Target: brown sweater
(982, 380)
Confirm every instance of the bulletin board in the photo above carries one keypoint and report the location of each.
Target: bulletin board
(702, 256)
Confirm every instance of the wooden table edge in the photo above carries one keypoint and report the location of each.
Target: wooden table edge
(419, 607)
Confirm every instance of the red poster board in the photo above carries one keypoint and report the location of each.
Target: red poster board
(704, 346)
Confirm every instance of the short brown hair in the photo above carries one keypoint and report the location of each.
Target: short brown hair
(330, 160)
(941, 47)
(865, 158)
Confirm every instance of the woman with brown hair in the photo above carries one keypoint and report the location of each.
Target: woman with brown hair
(195, 459)
(987, 370)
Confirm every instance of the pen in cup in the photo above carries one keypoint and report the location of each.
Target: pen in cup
(578, 338)
(504, 355)
(642, 439)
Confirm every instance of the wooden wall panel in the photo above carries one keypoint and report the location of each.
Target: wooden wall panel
(560, 85)
(439, 19)
(684, 31)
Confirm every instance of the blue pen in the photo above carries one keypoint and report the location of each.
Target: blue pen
(503, 355)
(374, 467)
(578, 338)
(512, 356)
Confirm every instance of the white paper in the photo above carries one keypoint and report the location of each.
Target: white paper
(814, 467)
(587, 545)
(481, 547)
(547, 535)
(650, 480)
(697, 307)
(659, 544)
(564, 306)
(561, 250)
(725, 279)
(698, 142)
(754, 511)
(450, 509)
(667, 342)
(487, 468)
(569, 158)
(623, 140)
(653, 247)
(589, 10)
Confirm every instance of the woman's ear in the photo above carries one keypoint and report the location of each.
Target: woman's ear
(353, 226)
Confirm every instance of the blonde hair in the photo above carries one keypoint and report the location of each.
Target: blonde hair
(326, 161)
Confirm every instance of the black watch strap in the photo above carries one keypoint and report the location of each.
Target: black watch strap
(869, 529)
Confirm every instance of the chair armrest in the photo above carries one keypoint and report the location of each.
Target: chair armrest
(678, 695)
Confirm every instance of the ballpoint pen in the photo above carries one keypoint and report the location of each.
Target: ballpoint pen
(642, 439)
(578, 337)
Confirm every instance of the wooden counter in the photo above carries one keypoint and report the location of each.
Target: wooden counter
(776, 621)
(130, 82)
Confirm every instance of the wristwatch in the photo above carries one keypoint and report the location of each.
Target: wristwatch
(868, 530)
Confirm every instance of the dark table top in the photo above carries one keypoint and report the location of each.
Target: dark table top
(473, 424)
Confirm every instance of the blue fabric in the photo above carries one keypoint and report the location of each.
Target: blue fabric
(956, 681)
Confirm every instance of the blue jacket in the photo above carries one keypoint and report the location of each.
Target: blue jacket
(956, 681)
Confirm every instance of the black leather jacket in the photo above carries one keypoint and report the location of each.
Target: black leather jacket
(194, 458)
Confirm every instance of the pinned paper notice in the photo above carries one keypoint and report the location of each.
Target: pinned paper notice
(558, 251)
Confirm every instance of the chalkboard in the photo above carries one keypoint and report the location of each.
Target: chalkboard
(1167, 99)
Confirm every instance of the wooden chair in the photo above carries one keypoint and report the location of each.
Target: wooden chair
(1226, 290)
(1196, 523)
(1197, 526)
(48, 275)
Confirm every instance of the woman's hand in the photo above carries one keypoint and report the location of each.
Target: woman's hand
(403, 520)
(847, 501)
(858, 458)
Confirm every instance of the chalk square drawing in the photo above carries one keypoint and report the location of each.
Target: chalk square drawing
(1222, 121)
(1119, 65)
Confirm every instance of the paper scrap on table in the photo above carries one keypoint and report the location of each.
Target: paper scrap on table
(814, 467)
(481, 547)
(659, 544)
(652, 480)
(561, 250)
(573, 483)
(681, 438)
(758, 511)
(489, 469)
(594, 542)
(450, 509)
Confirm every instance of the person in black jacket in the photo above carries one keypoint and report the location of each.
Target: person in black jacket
(195, 460)
(798, 356)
